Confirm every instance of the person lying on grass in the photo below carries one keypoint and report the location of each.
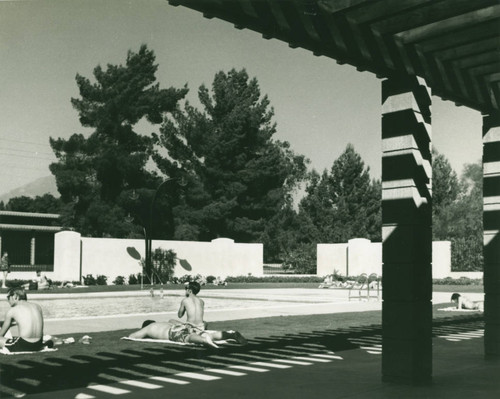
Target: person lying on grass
(29, 319)
(465, 303)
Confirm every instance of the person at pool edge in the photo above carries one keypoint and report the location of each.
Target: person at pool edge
(193, 330)
(29, 319)
(464, 302)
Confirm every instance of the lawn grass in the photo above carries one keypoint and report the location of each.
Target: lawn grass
(75, 366)
(250, 328)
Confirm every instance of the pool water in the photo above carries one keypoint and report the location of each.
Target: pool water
(127, 305)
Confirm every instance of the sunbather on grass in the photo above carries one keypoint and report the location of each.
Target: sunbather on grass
(174, 331)
(465, 303)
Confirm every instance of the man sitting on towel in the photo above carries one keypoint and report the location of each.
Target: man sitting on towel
(194, 309)
(193, 331)
(29, 319)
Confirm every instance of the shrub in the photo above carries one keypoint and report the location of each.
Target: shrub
(457, 281)
(210, 279)
(101, 280)
(163, 264)
(132, 279)
(119, 280)
(302, 260)
(200, 279)
(275, 279)
(185, 279)
(89, 280)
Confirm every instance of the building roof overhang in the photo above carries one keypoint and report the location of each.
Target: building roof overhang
(30, 214)
(27, 227)
(453, 44)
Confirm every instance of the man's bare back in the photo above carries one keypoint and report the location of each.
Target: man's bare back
(194, 308)
(28, 317)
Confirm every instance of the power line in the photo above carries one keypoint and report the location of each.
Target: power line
(26, 156)
(26, 142)
(16, 166)
(26, 151)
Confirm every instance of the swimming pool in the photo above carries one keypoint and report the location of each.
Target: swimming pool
(134, 303)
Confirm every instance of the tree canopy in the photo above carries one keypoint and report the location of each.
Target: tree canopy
(96, 176)
(344, 203)
(457, 217)
(46, 203)
(239, 175)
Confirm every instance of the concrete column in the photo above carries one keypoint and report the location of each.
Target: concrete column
(406, 231)
(491, 237)
(67, 260)
(32, 250)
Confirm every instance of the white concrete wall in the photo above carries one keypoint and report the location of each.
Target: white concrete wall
(114, 257)
(331, 257)
(362, 256)
(441, 259)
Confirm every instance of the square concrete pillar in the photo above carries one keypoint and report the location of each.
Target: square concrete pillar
(406, 231)
(491, 240)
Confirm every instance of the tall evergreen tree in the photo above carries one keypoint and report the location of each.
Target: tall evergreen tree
(240, 176)
(96, 176)
(344, 203)
(445, 185)
(459, 218)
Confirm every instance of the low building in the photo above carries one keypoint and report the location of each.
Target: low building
(29, 240)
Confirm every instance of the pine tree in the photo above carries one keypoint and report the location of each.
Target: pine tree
(240, 177)
(97, 175)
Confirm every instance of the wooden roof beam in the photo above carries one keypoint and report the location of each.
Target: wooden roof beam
(334, 6)
(444, 26)
(457, 38)
(375, 11)
(477, 60)
(478, 47)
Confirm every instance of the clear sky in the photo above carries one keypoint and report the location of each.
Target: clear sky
(319, 106)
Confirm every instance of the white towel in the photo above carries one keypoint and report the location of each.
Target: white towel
(167, 341)
(454, 309)
(5, 351)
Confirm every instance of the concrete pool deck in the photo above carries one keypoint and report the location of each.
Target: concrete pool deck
(288, 302)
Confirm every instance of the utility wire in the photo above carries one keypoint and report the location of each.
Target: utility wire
(25, 142)
(26, 151)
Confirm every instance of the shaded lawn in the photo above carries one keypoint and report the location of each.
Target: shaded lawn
(107, 358)
(250, 328)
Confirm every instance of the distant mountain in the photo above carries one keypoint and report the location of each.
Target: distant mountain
(38, 187)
